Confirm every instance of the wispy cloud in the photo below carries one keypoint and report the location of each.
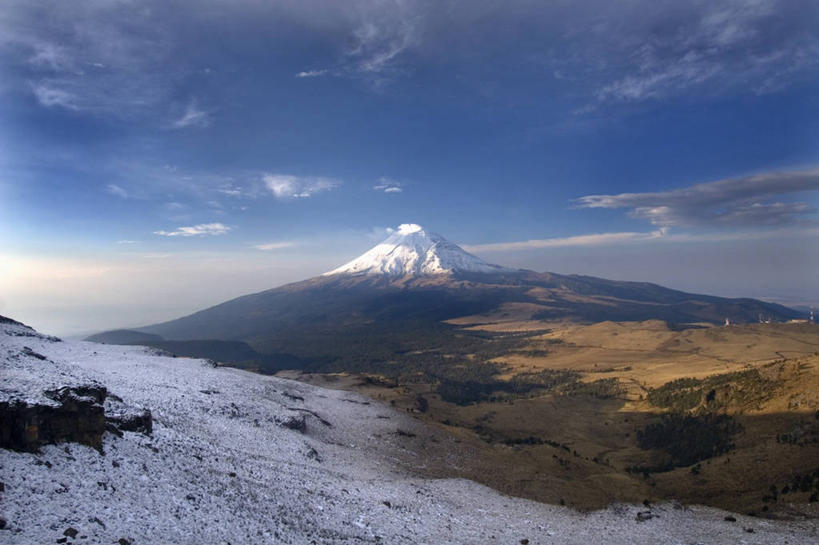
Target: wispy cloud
(658, 236)
(90, 57)
(51, 56)
(730, 202)
(50, 97)
(285, 186)
(388, 185)
(742, 204)
(312, 73)
(196, 230)
(381, 35)
(127, 242)
(715, 46)
(193, 117)
(114, 189)
(274, 246)
(596, 239)
(231, 190)
(379, 42)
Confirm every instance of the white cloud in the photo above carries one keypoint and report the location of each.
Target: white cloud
(659, 82)
(730, 202)
(596, 239)
(196, 230)
(114, 189)
(127, 242)
(193, 117)
(735, 202)
(51, 56)
(380, 35)
(388, 185)
(658, 236)
(312, 73)
(379, 43)
(274, 246)
(50, 96)
(243, 186)
(285, 186)
(230, 191)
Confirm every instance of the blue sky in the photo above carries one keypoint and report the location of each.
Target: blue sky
(158, 158)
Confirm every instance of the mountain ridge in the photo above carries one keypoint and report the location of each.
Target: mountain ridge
(416, 283)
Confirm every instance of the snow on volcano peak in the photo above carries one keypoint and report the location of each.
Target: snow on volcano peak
(410, 250)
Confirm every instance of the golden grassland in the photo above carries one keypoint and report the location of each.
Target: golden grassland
(580, 446)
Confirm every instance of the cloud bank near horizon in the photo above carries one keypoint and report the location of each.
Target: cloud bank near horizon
(734, 202)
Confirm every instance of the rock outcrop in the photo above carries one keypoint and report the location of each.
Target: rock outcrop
(77, 415)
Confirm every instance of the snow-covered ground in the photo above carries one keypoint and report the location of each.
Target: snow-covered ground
(222, 466)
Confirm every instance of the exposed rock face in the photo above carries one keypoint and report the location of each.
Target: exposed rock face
(78, 417)
(141, 421)
(5, 320)
(46, 405)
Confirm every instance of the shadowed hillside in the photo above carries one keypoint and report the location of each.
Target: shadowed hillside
(279, 319)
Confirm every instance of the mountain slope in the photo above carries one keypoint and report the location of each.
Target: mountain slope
(123, 336)
(413, 282)
(238, 458)
(339, 301)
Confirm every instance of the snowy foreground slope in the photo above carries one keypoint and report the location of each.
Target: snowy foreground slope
(242, 459)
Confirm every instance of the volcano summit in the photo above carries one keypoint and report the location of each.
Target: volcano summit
(410, 250)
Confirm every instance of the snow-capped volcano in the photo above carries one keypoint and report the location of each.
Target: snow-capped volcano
(410, 250)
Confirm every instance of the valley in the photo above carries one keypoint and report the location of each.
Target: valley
(561, 411)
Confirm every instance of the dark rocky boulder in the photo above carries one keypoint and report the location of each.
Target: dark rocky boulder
(296, 422)
(78, 417)
(141, 421)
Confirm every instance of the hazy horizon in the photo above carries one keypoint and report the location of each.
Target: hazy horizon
(141, 303)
